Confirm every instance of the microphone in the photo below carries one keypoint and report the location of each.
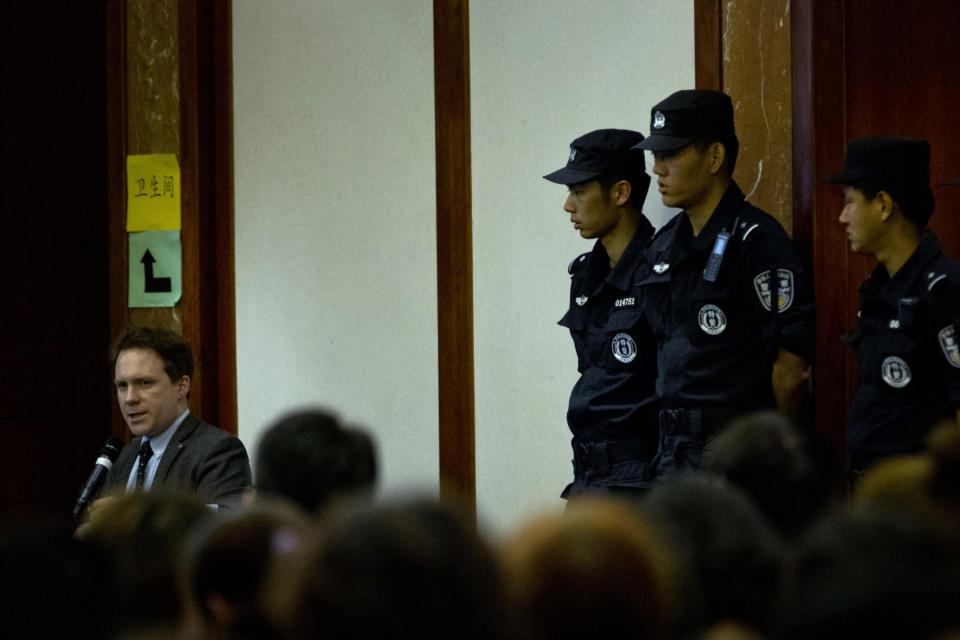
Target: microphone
(108, 455)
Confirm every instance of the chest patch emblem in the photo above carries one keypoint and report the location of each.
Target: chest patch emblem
(581, 300)
(624, 348)
(761, 284)
(948, 342)
(895, 372)
(712, 319)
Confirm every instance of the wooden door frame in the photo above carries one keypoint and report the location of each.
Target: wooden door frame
(455, 366)
(206, 314)
(818, 132)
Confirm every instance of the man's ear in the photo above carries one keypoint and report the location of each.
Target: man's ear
(620, 192)
(183, 386)
(716, 154)
(885, 203)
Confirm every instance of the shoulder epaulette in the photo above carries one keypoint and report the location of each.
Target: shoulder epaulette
(933, 278)
(748, 229)
(667, 226)
(576, 262)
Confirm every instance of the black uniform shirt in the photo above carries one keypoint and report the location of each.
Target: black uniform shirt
(716, 341)
(908, 362)
(614, 397)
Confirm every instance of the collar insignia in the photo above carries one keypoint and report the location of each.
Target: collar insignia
(581, 300)
(661, 268)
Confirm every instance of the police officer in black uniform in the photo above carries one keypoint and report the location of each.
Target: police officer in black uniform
(612, 411)
(906, 337)
(728, 299)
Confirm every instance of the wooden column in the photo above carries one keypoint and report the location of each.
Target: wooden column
(169, 91)
(454, 251)
(708, 44)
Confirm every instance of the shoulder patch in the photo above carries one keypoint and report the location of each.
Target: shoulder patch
(576, 262)
(764, 290)
(948, 343)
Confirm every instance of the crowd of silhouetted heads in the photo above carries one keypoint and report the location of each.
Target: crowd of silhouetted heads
(768, 540)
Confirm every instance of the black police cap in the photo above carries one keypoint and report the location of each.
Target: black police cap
(899, 166)
(687, 116)
(600, 152)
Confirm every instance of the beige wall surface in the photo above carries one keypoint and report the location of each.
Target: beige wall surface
(542, 73)
(335, 231)
(335, 206)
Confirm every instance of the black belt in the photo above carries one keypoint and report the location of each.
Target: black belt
(601, 454)
(708, 420)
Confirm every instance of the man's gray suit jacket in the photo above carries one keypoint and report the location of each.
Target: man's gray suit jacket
(200, 457)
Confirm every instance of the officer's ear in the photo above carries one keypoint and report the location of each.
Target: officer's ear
(716, 155)
(620, 192)
(884, 203)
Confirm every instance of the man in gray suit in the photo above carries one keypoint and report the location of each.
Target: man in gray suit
(172, 448)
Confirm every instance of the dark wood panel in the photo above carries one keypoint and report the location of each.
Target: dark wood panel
(216, 107)
(817, 134)
(54, 329)
(116, 138)
(454, 251)
(903, 69)
(865, 67)
(708, 44)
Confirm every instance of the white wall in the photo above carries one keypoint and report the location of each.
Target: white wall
(335, 232)
(542, 73)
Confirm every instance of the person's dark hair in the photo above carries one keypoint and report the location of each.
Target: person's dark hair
(308, 457)
(232, 562)
(56, 585)
(147, 533)
(944, 445)
(413, 568)
(872, 572)
(596, 570)
(731, 145)
(172, 348)
(791, 475)
(639, 184)
(728, 557)
(918, 208)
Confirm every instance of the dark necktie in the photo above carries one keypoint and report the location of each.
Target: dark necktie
(146, 452)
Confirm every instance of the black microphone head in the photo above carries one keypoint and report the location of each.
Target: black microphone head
(108, 455)
(111, 450)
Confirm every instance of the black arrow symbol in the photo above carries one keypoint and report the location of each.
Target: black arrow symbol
(151, 284)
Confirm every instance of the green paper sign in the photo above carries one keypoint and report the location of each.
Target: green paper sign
(155, 270)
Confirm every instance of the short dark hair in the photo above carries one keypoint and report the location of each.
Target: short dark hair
(173, 349)
(308, 457)
(791, 474)
(730, 144)
(639, 184)
(917, 209)
(409, 568)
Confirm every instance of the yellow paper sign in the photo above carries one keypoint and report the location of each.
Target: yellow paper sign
(153, 192)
